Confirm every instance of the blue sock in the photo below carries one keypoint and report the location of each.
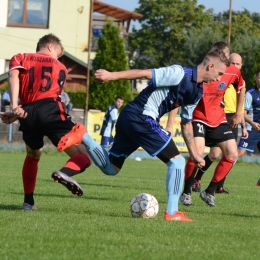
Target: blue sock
(174, 183)
(98, 154)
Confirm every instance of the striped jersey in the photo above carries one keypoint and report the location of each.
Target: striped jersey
(171, 87)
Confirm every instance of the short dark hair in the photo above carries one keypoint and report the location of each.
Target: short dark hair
(219, 54)
(119, 97)
(221, 45)
(47, 39)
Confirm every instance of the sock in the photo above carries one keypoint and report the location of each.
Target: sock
(190, 171)
(98, 154)
(221, 171)
(202, 170)
(76, 164)
(221, 184)
(28, 198)
(29, 173)
(174, 182)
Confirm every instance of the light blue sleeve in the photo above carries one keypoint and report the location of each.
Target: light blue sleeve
(248, 101)
(113, 114)
(187, 111)
(167, 76)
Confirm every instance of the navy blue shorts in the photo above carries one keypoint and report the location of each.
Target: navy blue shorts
(134, 131)
(45, 117)
(250, 143)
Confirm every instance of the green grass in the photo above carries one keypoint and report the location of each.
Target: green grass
(99, 225)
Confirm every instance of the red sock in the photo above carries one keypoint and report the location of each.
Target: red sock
(222, 169)
(29, 173)
(76, 164)
(189, 168)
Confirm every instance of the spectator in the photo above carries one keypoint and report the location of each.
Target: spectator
(5, 101)
(109, 122)
(66, 100)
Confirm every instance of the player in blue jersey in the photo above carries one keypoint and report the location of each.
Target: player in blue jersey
(138, 123)
(109, 122)
(252, 117)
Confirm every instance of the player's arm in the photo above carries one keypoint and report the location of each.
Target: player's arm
(13, 81)
(237, 118)
(171, 119)
(105, 76)
(188, 134)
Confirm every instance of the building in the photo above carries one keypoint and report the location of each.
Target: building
(22, 23)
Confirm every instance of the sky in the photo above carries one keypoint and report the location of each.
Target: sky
(217, 5)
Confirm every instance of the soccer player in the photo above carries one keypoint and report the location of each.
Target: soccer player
(211, 128)
(38, 78)
(252, 117)
(230, 110)
(138, 123)
(109, 121)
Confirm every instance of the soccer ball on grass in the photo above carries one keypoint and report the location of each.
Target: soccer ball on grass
(144, 205)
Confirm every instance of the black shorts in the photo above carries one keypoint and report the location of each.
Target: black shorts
(234, 130)
(213, 135)
(45, 117)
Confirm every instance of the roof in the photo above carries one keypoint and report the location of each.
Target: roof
(113, 11)
(75, 59)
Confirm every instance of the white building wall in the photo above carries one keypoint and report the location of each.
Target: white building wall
(3, 13)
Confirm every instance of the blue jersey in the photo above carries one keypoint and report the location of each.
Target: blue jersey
(171, 87)
(252, 105)
(109, 121)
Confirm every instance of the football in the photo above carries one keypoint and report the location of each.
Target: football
(144, 205)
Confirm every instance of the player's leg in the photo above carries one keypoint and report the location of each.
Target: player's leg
(230, 155)
(209, 159)
(77, 163)
(174, 180)
(29, 174)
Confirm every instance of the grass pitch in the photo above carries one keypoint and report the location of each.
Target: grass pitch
(98, 225)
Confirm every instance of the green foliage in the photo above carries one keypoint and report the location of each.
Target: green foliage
(98, 225)
(77, 98)
(111, 56)
(256, 66)
(4, 87)
(163, 32)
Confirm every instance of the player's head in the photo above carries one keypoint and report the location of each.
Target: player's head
(50, 44)
(119, 101)
(257, 78)
(213, 66)
(236, 59)
(223, 46)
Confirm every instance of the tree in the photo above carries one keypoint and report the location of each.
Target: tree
(256, 66)
(164, 28)
(111, 56)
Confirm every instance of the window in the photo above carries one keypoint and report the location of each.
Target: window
(28, 13)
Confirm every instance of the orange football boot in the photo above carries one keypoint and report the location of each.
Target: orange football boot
(73, 137)
(178, 216)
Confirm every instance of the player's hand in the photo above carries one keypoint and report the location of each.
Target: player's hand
(8, 117)
(244, 133)
(235, 120)
(102, 76)
(256, 126)
(199, 162)
(19, 112)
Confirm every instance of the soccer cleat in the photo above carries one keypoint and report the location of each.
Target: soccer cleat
(186, 199)
(68, 182)
(258, 183)
(208, 198)
(73, 137)
(27, 206)
(222, 191)
(178, 216)
(196, 186)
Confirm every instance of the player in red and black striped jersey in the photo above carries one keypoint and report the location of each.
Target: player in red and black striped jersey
(37, 80)
(212, 129)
